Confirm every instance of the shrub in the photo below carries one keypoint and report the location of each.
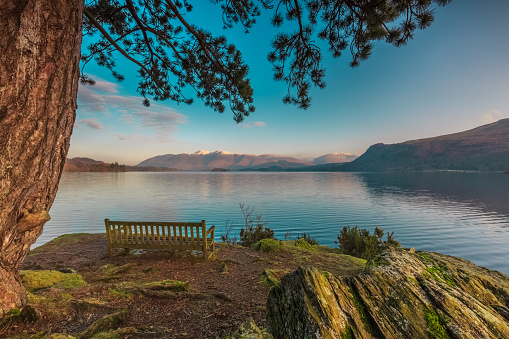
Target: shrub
(300, 242)
(268, 245)
(225, 237)
(360, 243)
(253, 234)
(308, 239)
(254, 229)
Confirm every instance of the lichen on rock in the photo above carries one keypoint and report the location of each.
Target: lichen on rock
(404, 294)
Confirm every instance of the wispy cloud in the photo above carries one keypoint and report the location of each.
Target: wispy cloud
(90, 123)
(492, 116)
(255, 124)
(155, 123)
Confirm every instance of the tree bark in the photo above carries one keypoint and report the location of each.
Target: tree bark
(40, 43)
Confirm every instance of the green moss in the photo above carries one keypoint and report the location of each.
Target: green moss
(302, 243)
(106, 335)
(150, 270)
(109, 273)
(271, 277)
(105, 324)
(35, 280)
(172, 285)
(58, 304)
(424, 258)
(120, 293)
(362, 311)
(413, 279)
(438, 272)
(268, 245)
(347, 333)
(435, 325)
(15, 312)
(377, 261)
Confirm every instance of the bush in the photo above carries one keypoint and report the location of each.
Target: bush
(300, 242)
(360, 243)
(254, 229)
(308, 239)
(225, 237)
(268, 245)
(254, 234)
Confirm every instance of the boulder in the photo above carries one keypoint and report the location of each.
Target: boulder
(400, 294)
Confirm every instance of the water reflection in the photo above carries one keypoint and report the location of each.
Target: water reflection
(464, 214)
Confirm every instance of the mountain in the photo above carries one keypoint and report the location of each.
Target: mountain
(205, 160)
(485, 148)
(334, 158)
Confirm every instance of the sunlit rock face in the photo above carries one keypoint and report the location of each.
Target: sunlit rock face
(400, 294)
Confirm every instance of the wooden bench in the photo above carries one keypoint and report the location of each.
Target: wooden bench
(160, 235)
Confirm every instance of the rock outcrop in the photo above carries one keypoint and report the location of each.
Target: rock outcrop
(400, 294)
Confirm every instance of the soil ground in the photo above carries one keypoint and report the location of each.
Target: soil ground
(224, 291)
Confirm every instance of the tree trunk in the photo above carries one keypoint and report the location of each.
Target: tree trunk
(40, 43)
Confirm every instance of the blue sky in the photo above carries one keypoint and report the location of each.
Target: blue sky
(452, 77)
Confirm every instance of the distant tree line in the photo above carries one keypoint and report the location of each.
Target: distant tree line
(78, 166)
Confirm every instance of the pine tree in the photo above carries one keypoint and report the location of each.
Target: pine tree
(40, 55)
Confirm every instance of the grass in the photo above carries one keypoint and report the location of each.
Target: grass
(435, 324)
(324, 258)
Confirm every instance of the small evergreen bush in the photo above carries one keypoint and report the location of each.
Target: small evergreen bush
(254, 229)
(360, 243)
(253, 234)
(308, 239)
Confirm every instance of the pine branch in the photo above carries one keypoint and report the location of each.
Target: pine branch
(101, 29)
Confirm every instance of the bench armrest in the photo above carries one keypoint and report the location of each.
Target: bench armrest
(210, 230)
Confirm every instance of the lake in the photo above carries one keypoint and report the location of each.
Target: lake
(461, 214)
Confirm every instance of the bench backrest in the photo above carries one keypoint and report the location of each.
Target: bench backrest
(150, 234)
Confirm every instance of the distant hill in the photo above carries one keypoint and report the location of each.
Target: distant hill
(485, 148)
(91, 165)
(275, 166)
(334, 158)
(204, 160)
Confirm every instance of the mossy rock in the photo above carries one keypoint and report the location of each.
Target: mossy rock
(104, 325)
(268, 245)
(271, 277)
(35, 280)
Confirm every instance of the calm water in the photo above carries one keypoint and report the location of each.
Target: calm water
(461, 214)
